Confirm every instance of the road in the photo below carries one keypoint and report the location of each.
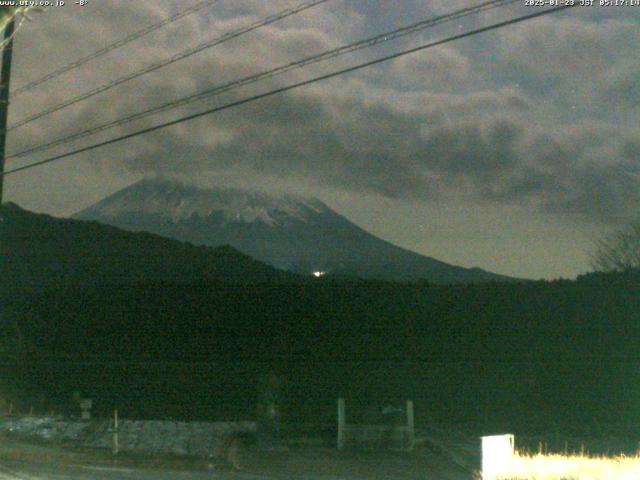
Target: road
(19, 470)
(27, 461)
(27, 471)
(22, 460)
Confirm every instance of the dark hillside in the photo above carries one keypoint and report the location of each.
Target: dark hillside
(43, 251)
(161, 328)
(532, 356)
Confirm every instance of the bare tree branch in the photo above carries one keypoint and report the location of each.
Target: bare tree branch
(619, 251)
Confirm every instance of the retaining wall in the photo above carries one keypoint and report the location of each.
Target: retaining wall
(204, 439)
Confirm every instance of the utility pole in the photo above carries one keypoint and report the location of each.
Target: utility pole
(5, 76)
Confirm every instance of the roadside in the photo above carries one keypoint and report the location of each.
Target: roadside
(428, 462)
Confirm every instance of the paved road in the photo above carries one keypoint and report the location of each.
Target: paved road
(40, 471)
(24, 461)
(53, 471)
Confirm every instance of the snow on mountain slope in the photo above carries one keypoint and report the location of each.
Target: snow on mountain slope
(179, 202)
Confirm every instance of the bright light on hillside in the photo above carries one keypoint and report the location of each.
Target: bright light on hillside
(319, 274)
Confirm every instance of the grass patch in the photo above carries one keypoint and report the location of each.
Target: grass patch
(524, 466)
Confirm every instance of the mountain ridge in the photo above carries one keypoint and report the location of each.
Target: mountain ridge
(294, 233)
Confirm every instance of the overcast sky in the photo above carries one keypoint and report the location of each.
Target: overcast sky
(510, 150)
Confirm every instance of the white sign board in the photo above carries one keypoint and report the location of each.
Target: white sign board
(497, 455)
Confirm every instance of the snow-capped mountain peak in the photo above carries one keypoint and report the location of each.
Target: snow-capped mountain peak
(176, 201)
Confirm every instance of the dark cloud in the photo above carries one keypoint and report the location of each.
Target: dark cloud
(533, 120)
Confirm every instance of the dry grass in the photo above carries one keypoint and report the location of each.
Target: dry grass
(572, 467)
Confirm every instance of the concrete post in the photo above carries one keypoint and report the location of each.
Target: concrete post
(342, 423)
(410, 425)
(116, 447)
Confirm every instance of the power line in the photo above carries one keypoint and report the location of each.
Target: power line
(580, 360)
(113, 46)
(173, 59)
(244, 81)
(292, 86)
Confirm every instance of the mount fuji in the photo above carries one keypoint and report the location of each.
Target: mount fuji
(293, 233)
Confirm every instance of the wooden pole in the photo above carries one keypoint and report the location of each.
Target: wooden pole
(342, 423)
(5, 77)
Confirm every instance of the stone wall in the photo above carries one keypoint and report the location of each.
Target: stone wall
(202, 439)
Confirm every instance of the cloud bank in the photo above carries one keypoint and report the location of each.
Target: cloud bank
(542, 114)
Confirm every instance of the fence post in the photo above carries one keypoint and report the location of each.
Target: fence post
(497, 456)
(342, 422)
(115, 432)
(410, 425)
(85, 408)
